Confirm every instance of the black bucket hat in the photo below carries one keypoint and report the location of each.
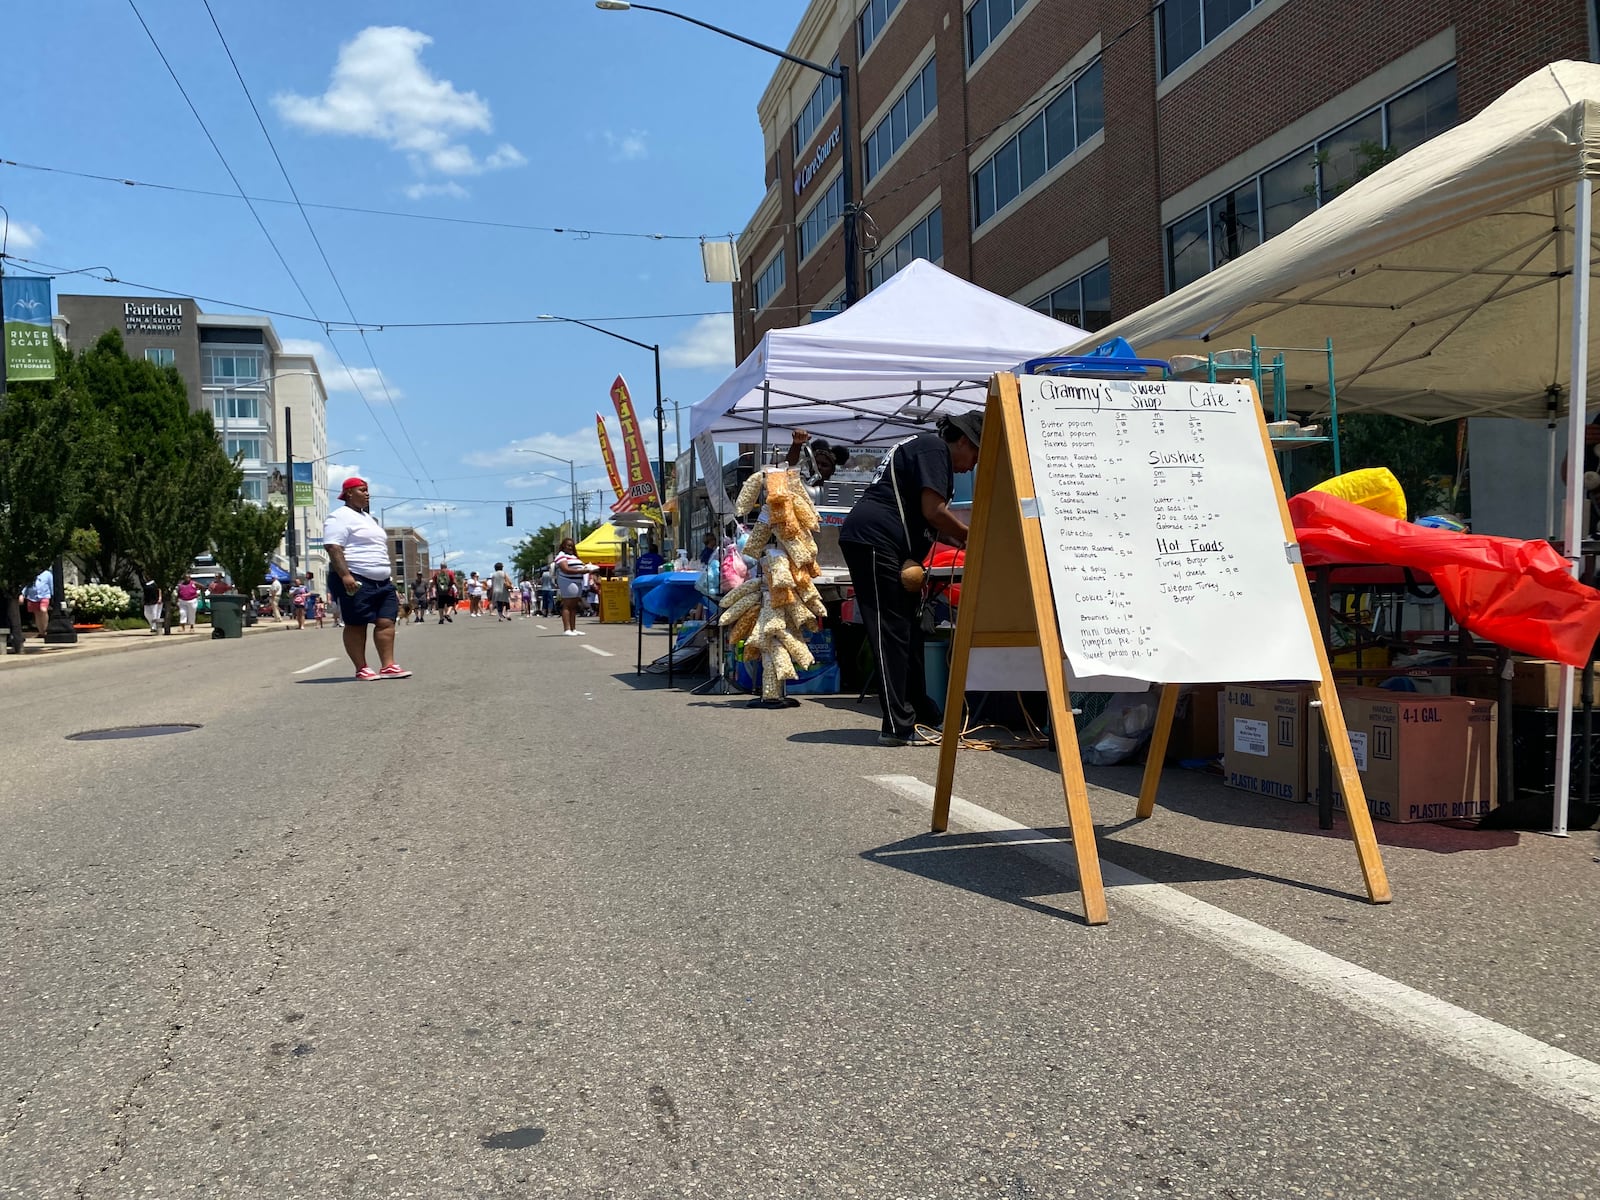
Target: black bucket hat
(968, 423)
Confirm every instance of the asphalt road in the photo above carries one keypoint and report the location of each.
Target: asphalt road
(525, 925)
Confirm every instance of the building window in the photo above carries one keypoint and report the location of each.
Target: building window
(161, 356)
(248, 449)
(1186, 26)
(229, 366)
(1084, 302)
(251, 490)
(1264, 206)
(816, 108)
(925, 240)
(904, 118)
(821, 217)
(985, 20)
(236, 406)
(1068, 121)
(770, 282)
(870, 23)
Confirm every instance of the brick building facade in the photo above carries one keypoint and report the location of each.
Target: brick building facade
(1085, 157)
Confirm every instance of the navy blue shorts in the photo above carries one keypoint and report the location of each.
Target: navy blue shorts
(376, 600)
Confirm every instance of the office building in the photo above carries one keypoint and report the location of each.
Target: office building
(1087, 158)
(409, 554)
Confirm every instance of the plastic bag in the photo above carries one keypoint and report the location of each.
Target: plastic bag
(1520, 595)
(734, 570)
(1373, 488)
(1120, 730)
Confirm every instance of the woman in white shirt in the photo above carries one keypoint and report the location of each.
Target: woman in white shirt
(569, 571)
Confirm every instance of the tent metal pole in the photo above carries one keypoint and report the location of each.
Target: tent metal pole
(1572, 519)
(766, 419)
(1550, 471)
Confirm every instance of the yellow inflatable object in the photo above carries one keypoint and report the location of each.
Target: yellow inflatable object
(1371, 487)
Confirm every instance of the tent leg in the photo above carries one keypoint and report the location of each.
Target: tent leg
(1572, 523)
(766, 420)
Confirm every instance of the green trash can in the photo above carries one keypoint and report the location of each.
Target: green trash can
(227, 616)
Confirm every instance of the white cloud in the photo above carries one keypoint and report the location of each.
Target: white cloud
(708, 344)
(505, 155)
(627, 147)
(380, 89)
(581, 447)
(421, 191)
(340, 380)
(21, 237)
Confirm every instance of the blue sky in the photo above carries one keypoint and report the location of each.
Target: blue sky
(544, 112)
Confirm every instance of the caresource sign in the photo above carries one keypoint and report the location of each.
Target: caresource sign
(804, 176)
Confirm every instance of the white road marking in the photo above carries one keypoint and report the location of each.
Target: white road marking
(1548, 1072)
(541, 627)
(601, 653)
(315, 665)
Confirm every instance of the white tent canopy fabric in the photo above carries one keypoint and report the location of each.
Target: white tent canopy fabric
(1453, 282)
(922, 345)
(1442, 278)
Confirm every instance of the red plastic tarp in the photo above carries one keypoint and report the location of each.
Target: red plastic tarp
(1517, 594)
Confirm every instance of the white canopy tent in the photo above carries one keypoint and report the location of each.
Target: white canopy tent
(1454, 282)
(922, 345)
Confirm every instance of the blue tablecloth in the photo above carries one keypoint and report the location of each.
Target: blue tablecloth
(669, 596)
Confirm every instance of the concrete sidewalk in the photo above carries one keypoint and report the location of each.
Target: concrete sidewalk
(90, 643)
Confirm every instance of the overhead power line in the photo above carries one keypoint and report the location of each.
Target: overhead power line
(518, 226)
(56, 271)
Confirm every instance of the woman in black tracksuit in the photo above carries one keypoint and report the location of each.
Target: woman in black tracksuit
(902, 512)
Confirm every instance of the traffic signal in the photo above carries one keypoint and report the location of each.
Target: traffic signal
(509, 521)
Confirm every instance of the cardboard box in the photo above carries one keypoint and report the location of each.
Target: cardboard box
(1535, 683)
(1421, 757)
(1264, 740)
(1197, 727)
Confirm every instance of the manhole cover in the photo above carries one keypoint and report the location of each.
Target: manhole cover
(127, 731)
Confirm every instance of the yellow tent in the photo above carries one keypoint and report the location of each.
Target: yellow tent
(603, 547)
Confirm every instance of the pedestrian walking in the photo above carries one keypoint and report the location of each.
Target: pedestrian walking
(188, 603)
(525, 594)
(474, 594)
(419, 599)
(499, 589)
(299, 599)
(359, 552)
(36, 597)
(547, 593)
(570, 571)
(444, 596)
(152, 604)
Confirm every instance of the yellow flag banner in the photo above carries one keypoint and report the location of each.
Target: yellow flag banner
(610, 457)
(641, 491)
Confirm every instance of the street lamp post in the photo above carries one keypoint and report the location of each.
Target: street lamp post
(572, 476)
(566, 513)
(846, 154)
(661, 419)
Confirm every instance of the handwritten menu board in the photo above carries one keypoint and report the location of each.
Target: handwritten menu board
(1162, 533)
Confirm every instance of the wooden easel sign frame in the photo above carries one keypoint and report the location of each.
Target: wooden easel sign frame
(1008, 603)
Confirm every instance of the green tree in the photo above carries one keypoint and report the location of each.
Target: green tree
(161, 479)
(41, 470)
(243, 538)
(1419, 455)
(535, 550)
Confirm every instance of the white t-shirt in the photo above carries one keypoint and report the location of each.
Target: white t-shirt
(361, 537)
